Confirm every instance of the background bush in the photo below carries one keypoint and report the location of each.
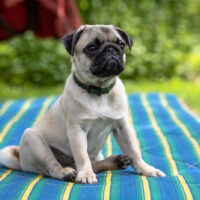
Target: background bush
(25, 59)
(166, 34)
(166, 43)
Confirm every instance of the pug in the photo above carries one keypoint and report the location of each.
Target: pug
(67, 142)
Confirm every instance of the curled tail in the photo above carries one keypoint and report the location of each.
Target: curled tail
(9, 157)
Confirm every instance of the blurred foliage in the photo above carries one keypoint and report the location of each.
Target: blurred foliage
(26, 59)
(166, 34)
(166, 43)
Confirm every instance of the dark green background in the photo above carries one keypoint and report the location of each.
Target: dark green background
(166, 43)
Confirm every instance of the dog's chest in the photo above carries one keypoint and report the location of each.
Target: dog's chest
(97, 131)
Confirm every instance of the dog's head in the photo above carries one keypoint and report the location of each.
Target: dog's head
(98, 50)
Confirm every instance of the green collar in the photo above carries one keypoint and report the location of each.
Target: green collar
(91, 89)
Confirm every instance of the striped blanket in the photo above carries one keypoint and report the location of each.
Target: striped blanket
(168, 136)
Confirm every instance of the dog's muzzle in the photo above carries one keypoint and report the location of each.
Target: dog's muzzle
(108, 62)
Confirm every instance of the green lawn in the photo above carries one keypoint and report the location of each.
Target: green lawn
(188, 91)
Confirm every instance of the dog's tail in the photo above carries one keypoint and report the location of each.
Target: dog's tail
(9, 157)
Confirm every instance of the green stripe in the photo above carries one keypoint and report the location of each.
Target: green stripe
(115, 187)
(193, 132)
(190, 146)
(195, 189)
(13, 126)
(171, 143)
(75, 192)
(171, 147)
(140, 190)
(34, 191)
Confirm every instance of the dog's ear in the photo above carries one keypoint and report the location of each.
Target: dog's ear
(69, 40)
(125, 37)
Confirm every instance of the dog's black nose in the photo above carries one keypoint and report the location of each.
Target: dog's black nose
(112, 66)
(111, 50)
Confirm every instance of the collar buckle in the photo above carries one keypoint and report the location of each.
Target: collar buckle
(91, 89)
(95, 89)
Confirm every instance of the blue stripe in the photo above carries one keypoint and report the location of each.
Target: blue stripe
(46, 185)
(145, 132)
(125, 184)
(11, 112)
(14, 134)
(13, 185)
(173, 133)
(185, 117)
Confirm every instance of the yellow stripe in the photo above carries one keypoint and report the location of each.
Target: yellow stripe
(44, 108)
(42, 111)
(5, 107)
(185, 187)
(187, 134)
(147, 193)
(67, 191)
(189, 110)
(145, 183)
(108, 177)
(180, 124)
(5, 174)
(7, 127)
(30, 187)
(166, 146)
(107, 187)
(160, 134)
(109, 173)
(14, 119)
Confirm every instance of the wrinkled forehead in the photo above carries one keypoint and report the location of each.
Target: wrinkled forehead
(103, 33)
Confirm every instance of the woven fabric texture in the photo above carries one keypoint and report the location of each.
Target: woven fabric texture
(168, 135)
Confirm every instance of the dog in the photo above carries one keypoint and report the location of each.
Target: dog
(67, 142)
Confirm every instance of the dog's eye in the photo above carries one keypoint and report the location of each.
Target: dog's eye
(92, 48)
(121, 45)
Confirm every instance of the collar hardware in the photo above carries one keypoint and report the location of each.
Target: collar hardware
(92, 89)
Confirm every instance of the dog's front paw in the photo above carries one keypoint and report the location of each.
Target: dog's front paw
(123, 161)
(86, 178)
(144, 169)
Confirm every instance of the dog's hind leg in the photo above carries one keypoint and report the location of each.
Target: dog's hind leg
(36, 156)
(114, 162)
(111, 163)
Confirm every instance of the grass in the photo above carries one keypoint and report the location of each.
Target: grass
(187, 90)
